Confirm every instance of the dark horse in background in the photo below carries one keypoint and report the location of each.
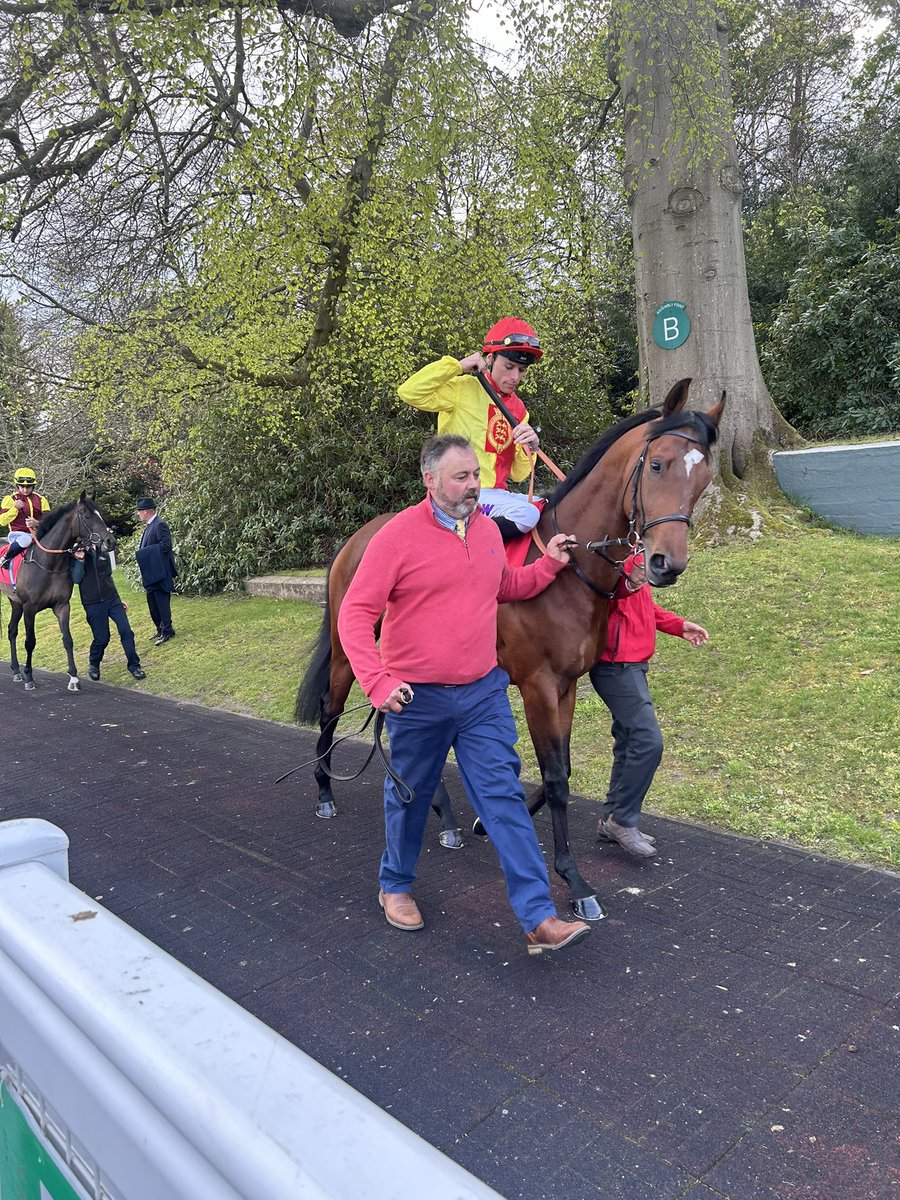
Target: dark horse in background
(636, 487)
(44, 580)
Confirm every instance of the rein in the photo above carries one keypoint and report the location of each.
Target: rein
(377, 748)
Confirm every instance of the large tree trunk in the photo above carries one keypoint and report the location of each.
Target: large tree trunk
(685, 191)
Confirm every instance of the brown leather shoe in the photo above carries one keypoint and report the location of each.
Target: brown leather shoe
(628, 837)
(400, 910)
(554, 934)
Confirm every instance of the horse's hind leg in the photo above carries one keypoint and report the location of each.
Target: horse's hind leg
(331, 707)
(13, 634)
(451, 834)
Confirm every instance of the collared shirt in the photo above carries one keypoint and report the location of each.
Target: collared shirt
(442, 518)
(147, 526)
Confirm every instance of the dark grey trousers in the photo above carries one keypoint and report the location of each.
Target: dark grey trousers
(637, 740)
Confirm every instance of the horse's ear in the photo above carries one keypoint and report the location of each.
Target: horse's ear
(83, 497)
(715, 413)
(677, 398)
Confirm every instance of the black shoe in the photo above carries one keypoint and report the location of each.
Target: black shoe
(165, 637)
(137, 673)
(94, 673)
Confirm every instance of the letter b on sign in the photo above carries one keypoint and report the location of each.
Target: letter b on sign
(671, 325)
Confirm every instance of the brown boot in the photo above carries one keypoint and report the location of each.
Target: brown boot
(400, 910)
(554, 934)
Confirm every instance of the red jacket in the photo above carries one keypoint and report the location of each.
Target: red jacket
(439, 596)
(634, 618)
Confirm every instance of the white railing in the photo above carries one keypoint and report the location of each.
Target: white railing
(147, 1083)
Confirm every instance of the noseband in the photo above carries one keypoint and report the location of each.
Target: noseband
(637, 525)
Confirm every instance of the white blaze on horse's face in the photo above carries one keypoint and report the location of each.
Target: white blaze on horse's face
(691, 460)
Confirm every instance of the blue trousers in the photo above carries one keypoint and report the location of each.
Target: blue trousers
(476, 721)
(637, 739)
(99, 616)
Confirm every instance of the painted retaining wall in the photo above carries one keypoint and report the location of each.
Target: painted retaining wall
(124, 1076)
(856, 487)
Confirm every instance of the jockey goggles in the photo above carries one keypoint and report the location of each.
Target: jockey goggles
(512, 340)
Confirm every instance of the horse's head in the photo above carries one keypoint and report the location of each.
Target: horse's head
(666, 480)
(90, 527)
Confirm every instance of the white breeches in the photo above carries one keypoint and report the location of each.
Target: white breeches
(498, 502)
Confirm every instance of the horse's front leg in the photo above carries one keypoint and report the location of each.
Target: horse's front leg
(30, 643)
(550, 722)
(61, 612)
(13, 634)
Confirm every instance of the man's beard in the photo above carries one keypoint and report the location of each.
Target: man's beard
(462, 509)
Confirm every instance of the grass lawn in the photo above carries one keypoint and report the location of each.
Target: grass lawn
(785, 726)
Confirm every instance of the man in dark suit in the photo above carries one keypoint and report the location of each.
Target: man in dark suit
(157, 567)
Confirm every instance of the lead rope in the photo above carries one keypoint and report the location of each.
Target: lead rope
(377, 748)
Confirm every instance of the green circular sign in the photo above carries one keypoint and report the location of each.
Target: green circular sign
(671, 325)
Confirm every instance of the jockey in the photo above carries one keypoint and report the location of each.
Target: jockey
(22, 512)
(449, 388)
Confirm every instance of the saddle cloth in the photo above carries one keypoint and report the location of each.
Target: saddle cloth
(5, 571)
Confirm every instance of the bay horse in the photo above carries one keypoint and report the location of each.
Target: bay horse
(44, 581)
(635, 488)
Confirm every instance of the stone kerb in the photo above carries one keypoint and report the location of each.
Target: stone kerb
(310, 588)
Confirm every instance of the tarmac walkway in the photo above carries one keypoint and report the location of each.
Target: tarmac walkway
(730, 1032)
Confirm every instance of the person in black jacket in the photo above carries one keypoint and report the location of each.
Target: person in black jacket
(92, 572)
(157, 566)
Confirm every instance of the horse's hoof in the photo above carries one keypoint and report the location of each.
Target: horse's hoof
(451, 839)
(29, 685)
(72, 685)
(18, 677)
(478, 829)
(589, 908)
(326, 809)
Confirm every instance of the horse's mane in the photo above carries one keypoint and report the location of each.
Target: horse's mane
(698, 422)
(55, 515)
(591, 457)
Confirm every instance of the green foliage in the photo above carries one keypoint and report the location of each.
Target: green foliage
(833, 359)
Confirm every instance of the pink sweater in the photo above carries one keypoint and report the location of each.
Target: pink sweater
(439, 596)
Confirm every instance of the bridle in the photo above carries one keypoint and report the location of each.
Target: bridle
(88, 539)
(637, 524)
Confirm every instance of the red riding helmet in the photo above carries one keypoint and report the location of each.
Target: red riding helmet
(512, 335)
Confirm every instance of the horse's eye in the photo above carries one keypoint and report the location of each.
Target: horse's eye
(655, 466)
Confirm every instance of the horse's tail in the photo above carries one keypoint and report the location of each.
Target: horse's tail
(315, 682)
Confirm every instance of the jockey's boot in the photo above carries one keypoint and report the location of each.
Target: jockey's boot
(509, 530)
(11, 551)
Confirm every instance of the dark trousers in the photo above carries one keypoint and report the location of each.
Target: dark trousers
(160, 604)
(476, 720)
(99, 616)
(637, 739)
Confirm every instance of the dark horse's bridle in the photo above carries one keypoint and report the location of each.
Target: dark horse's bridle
(91, 541)
(637, 525)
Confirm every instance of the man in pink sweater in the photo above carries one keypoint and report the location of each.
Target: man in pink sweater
(620, 680)
(437, 571)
